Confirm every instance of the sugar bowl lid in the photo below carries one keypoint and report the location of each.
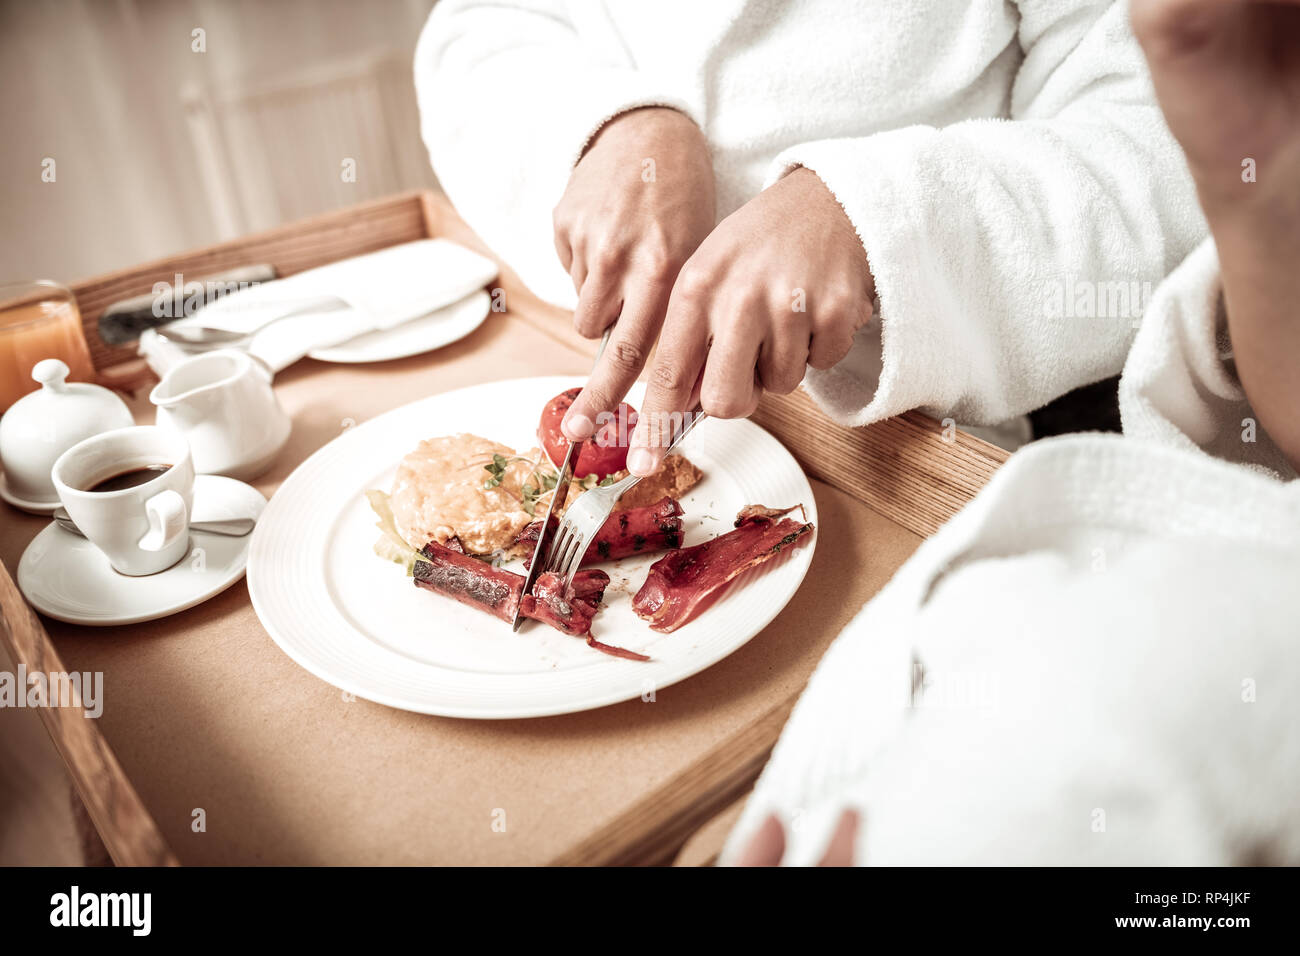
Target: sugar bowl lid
(42, 425)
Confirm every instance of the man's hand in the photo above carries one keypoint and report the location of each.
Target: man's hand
(1227, 73)
(637, 205)
(781, 284)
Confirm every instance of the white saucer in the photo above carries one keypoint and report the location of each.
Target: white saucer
(440, 327)
(22, 504)
(66, 577)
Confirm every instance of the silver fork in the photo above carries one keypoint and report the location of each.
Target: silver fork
(585, 516)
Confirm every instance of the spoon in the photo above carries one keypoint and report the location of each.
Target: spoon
(231, 527)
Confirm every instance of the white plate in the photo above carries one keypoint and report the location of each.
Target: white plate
(440, 327)
(66, 577)
(359, 623)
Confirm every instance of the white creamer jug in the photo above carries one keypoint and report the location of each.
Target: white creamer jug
(223, 403)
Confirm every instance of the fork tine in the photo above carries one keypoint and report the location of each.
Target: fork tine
(574, 557)
(557, 550)
(561, 536)
(563, 545)
(567, 542)
(571, 565)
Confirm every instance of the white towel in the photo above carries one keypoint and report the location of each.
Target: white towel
(991, 155)
(1102, 645)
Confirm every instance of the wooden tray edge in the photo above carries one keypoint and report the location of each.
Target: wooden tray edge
(120, 817)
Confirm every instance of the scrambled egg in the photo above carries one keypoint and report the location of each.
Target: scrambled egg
(439, 492)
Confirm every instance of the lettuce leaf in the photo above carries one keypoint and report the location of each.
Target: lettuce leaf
(390, 545)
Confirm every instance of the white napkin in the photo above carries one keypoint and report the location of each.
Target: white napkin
(331, 304)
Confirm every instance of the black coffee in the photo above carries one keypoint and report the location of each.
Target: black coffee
(129, 479)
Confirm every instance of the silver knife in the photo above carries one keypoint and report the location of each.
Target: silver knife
(122, 322)
(557, 501)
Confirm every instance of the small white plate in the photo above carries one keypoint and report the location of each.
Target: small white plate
(66, 577)
(22, 504)
(440, 327)
(360, 623)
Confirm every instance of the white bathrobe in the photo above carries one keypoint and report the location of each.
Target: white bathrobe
(1095, 662)
(1011, 258)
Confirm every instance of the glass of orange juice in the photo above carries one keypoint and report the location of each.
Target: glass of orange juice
(38, 320)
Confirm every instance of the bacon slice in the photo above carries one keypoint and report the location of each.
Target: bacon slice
(644, 530)
(477, 584)
(684, 582)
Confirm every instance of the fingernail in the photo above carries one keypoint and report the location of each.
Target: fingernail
(640, 461)
(577, 427)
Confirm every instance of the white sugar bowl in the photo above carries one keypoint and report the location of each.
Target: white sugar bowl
(40, 427)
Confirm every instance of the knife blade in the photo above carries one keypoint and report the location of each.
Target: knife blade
(557, 501)
(122, 322)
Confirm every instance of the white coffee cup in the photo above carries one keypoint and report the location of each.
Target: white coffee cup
(142, 529)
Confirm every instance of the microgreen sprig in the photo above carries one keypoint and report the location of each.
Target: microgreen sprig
(543, 479)
(531, 493)
(496, 470)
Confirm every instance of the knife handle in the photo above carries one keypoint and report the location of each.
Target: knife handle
(123, 322)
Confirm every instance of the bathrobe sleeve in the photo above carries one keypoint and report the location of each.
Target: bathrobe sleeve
(510, 93)
(1011, 257)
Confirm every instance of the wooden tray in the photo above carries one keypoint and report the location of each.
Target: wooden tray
(202, 710)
